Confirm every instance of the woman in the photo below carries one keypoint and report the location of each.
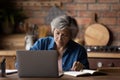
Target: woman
(72, 56)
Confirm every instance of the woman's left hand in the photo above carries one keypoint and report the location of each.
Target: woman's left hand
(77, 66)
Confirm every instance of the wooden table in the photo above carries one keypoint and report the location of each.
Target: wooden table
(109, 76)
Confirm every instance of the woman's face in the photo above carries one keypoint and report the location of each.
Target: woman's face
(61, 37)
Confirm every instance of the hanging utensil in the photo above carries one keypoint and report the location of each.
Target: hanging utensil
(96, 34)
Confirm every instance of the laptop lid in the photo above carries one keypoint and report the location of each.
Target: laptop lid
(40, 63)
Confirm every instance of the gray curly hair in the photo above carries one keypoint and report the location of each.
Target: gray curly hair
(65, 21)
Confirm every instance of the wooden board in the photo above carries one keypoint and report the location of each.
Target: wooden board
(96, 35)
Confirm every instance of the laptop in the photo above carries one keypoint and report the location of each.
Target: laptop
(39, 63)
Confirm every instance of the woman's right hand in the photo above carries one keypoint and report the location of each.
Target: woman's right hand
(77, 66)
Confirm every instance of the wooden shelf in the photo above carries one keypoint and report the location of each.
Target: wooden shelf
(12, 42)
(103, 55)
(7, 52)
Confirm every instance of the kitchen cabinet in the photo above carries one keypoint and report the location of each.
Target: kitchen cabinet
(10, 58)
(96, 60)
(8, 46)
(103, 59)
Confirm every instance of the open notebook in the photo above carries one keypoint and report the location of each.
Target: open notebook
(84, 72)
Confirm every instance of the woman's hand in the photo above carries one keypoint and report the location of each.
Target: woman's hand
(77, 66)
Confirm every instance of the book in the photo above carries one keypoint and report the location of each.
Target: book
(11, 71)
(84, 72)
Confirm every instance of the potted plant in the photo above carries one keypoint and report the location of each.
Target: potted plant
(10, 16)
